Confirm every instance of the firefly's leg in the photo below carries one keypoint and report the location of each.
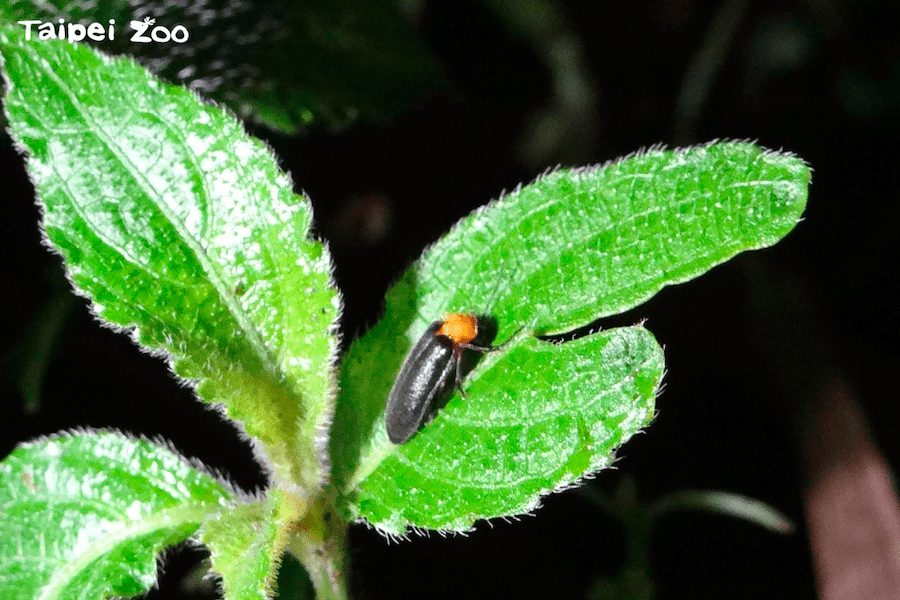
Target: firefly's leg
(457, 358)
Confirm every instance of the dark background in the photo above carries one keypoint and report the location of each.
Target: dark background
(818, 78)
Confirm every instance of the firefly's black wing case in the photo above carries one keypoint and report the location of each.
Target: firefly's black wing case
(424, 373)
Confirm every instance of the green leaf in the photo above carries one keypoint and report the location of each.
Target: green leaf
(180, 227)
(286, 64)
(85, 515)
(539, 417)
(246, 548)
(572, 247)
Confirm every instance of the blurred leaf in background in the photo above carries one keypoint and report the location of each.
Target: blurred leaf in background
(288, 65)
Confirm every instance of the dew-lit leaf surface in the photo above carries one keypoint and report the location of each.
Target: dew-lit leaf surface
(180, 227)
(245, 548)
(574, 246)
(85, 515)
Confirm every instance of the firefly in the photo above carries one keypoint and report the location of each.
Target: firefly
(426, 370)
